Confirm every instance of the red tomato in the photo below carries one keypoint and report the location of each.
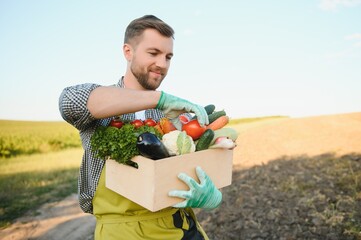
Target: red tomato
(193, 129)
(137, 123)
(150, 122)
(116, 123)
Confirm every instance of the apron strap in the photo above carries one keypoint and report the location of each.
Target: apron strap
(117, 218)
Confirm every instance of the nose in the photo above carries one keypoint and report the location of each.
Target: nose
(162, 62)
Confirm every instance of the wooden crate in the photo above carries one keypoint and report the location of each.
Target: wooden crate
(149, 185)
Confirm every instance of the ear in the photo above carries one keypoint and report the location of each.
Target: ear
(128, 52)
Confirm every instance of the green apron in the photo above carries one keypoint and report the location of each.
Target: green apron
(119, 218)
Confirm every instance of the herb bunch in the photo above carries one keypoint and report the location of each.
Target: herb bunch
(119, 144)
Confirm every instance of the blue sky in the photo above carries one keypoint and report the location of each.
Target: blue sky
(251, 58)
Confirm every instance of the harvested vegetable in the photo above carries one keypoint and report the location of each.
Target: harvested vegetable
(150, 146)
(215, 115)
(170, 142)
(185, 143)
(184, 119)
(137, 123)
(166, 125)
(150, 122)
(224, 143)
(205, 140)
(210, 108)
(118, 123)
(225, 132)
(193, 129)
(159, 129)
(178, 143)
(119, 144)
(218, 123)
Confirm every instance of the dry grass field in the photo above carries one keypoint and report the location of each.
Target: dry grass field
(260, 142)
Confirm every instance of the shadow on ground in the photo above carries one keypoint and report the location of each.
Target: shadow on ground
(298, 197)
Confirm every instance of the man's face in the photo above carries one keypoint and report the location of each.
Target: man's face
(151, 59)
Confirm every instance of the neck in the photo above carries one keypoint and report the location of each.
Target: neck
(131, 82)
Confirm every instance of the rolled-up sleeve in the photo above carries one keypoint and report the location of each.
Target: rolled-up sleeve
(73, 105)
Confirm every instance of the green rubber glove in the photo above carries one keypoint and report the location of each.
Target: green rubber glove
(173, 106)
(204, 195)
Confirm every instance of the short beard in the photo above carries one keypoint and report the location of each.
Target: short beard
(143, 80)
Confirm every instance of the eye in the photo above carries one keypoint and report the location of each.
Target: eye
(153, 53)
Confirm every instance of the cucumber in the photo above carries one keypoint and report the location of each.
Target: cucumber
(212, 117)
(225, 132)
(209, 109)
(205, 140)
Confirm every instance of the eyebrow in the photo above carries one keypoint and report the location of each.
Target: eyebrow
(159, 51)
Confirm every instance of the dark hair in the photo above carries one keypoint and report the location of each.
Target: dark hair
(137, 27)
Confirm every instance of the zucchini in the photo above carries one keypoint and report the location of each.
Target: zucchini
(212, 117)
(205, 140)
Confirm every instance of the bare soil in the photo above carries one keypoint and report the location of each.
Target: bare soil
(293, 178)
(54, 221)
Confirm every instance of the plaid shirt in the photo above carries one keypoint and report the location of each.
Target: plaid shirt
(73, 109)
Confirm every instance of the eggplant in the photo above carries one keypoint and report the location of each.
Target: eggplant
(150, 146)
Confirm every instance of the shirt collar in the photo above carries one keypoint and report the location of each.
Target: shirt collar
(121, 82)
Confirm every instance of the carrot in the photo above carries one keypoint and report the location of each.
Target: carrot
(218, 123)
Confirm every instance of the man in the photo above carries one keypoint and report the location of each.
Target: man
(148, 50)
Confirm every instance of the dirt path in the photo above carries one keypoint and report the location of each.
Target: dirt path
(259, 143)
(55, 221)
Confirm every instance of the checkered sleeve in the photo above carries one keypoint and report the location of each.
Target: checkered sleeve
(73, 105)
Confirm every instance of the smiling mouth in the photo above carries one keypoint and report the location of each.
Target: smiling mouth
(157, 73)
